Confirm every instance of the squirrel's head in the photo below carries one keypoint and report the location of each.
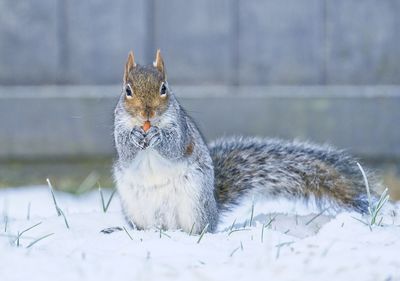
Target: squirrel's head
(145, 89)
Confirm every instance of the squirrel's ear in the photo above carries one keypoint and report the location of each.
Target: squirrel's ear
(159, 63)
(130, 64)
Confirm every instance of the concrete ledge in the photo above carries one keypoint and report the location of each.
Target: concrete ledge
(76, 121)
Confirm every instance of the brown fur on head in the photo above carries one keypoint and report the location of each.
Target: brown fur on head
(145, 88)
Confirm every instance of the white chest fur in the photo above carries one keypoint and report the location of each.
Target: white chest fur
(158, 192)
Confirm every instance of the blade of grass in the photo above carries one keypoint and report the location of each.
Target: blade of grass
(28, 212)
(24, 231)
(5, 223)
(58, 209)
(5, 214)
(380, 221)
(252, 214)
(381, 202)
(54, 197)
(29, 228)
(17, 240)
(39, 239)
(271, 220)
(237, 230)
(65, 218)
(234, 251)
(366, 186)
(191, 229)
(315, 217)
(357, 219)
(374, 210)
(102, 199)
(202, 233)
(126, 231)
(163, 232)
(103, 204)
(233, 224)
(109, 200)
(88, 183)
(262, 233)
(280, 245)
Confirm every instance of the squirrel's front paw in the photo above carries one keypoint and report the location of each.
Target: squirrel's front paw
(153, 136)
(137, 137)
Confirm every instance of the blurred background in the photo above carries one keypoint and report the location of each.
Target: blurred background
(319, 70)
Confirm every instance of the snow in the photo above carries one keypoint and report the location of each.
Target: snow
(294, 246)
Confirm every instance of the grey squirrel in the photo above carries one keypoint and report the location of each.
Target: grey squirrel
(168, 177)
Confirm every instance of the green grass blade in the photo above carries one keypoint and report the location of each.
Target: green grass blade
(126, 231)
(234, 251)
(102, 199)
(202, 233)
(262, 233)
(191, 229)
(39, 239)
(109, 200)
(88, 183)
(357, 219)
(29, 228)
(237, 230)
(54, 197)
(5, 223)
(271, 220)
(28, 212)
(103, 204)
(233, 224)
(366, 183)
(315, 217)
(252, 214)
(65, 218)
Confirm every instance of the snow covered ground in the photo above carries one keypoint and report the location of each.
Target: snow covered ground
(277, 246)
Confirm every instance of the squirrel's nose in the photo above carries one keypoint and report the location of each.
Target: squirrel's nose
(148, 113)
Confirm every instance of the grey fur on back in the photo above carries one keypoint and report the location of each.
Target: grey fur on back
(290, 169)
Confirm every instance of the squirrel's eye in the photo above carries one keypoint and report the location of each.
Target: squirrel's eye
(163, 89)
(128, 91)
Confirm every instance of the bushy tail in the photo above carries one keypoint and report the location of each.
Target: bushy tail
(294, 170)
